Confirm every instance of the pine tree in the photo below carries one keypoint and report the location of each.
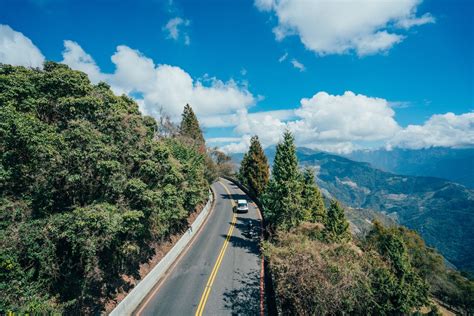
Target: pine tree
(285, 165)
(312, 198)
(336, 227)
(282, 200)
(190, 129)
(254, 170)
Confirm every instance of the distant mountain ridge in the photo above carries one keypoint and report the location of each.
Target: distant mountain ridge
(449, 163)
(440, 210)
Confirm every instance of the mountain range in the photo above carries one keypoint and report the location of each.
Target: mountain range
(448, 163)
(441, 210)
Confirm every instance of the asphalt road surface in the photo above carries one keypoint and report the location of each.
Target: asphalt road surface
(220, 272)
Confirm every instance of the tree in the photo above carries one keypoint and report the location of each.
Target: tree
(336, 228)
(254, 170)
(223, 162)
(285, 165)
(313, 202)
(282, 201)
(396, 286)
(190, 129)
(86, 189)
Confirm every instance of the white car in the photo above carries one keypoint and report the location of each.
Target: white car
(242, 206)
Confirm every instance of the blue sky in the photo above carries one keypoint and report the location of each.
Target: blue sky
(403, 83)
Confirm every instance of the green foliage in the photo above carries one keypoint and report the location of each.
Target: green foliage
(317, 278)
(336, 227)
(449, 286)
(398, 288)
(314, 277)
(285, 165)
(85, 188)
(283, 203)
(313, 202)
(254, 170)
(190, 127)
(291, 197)
(190, 134)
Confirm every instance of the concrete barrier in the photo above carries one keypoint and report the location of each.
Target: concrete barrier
(130, 303)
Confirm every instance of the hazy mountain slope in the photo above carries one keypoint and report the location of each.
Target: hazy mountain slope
(440, 210)
(452, 164)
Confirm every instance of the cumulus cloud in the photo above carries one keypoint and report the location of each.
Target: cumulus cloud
(162, 87)
(17, 49)
(328, 122)
(234, 119)
(78, 59)
(336, 27)
(174, 29)
(343, 123)
(443, 130)
(347, 117)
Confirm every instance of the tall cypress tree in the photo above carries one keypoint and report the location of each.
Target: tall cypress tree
(336, 228)
(285, 165)
(312, 198)
(282, 200)
(190, 128)
(254, 170)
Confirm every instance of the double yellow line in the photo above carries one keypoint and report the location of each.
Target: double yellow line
(215, 269)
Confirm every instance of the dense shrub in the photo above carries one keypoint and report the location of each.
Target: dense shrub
(317, 277)
(86, 185)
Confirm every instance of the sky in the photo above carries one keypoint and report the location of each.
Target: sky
(341, 75)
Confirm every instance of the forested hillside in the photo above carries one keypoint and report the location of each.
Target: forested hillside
(320, 268)
(87, 183)
(431, 206)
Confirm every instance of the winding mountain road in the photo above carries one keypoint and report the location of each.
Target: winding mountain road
(221, 271)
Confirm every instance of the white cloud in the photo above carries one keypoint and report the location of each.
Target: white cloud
(411, 21)
(343, 123)
(377, 42)
(443, 130)
(219, 140)
(298, 65)
(283, 58)
(174, 31)
(232, 120)
(329, 122)
(347, 117)
(267, 127)
(264, 5)
(338, 27)
(17, 49)
(78, 59)
(162, 86)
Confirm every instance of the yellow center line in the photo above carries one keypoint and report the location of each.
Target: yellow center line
(215, 269)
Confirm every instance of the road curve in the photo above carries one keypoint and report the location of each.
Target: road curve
(220, 272)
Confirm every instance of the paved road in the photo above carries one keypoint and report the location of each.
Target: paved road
(219, 274)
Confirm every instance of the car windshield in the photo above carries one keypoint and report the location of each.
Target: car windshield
(242, 204)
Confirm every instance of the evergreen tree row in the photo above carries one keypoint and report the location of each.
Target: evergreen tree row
(290, 196)
(318, 268)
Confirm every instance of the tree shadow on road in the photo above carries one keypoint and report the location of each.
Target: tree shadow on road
(249, 237)
(234, 196)
(245, 298)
